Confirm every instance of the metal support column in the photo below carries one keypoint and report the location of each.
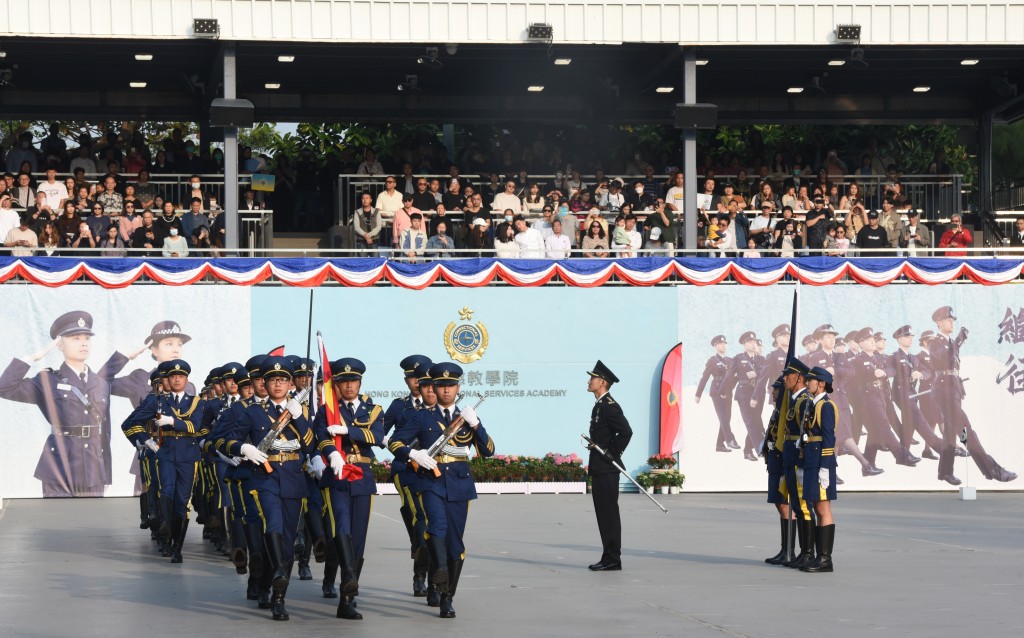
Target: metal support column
(984, 164)
(690, 153)
(230, 155)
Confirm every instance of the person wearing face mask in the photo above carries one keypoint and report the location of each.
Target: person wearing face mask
(164, 222)
(174, 244)
(638, 199)
(23, 152)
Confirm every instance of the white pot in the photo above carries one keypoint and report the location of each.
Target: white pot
(673, 490)
(650, 490)
(663, 489)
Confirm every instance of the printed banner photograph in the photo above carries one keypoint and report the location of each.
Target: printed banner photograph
(77, 360)
(926, 379)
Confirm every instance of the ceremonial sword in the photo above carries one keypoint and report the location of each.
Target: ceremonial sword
(608, 457)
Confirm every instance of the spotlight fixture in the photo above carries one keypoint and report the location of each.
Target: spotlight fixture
(273, 86)
(535, 88)
(969, 62)
(144, 57)
(848, 33)
(922, 89)
(206, 28)
(286, 58)
(411, 84)
(795, 89)
(664, 89)
(540, 32)
(137, 85)
(429, 60)
(563, 61)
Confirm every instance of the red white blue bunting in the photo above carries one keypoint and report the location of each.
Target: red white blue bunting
(647, 271)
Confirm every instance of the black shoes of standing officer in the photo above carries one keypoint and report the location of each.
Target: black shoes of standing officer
(606, 565)
(786, 544)
(825, 539)
(805, 533)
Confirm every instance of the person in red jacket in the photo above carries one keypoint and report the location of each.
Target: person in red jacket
(956, 236)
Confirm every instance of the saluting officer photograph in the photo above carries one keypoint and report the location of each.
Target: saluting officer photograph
(610, 430)
(75, 401)
(716, 369)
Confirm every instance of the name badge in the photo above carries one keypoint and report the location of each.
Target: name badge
(63, 386)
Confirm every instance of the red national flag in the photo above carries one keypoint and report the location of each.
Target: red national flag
(276, 352)
(671, 391)
(351, 471)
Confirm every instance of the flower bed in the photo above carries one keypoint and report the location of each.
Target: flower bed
(503, 474)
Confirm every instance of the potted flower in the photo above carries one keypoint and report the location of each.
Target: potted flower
(673, 480)
(662, 461)
(647, 480)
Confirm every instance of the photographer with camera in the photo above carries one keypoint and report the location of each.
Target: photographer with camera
(956, 236)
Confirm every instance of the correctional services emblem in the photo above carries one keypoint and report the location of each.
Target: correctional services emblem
(465, 342)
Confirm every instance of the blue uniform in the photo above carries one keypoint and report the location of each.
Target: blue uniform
(819, 450)
(444, 499)
(773, 457)
(349, 502)
(76, 457)
(791, 488)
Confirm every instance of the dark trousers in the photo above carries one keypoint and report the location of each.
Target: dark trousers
(176, 482)
(752, 421)
(349, 516)
(723, 408)
(914, 420)
(880, 433)
(949, 401)
(606, 505)
(446, 519)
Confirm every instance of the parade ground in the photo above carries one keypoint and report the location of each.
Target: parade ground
(906, 565)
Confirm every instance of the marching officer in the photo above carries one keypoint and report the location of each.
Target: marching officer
(905, 375)
(277, 477)
(772, 364)
(349, 501)
(773, 461)
(445, 482)
(742, 375)
(818, 460)
(794, 382)
(415, 368)
(181, 421)
(868, 373)
(147, 469)
(610, 430)
(948, 392)
(716, 369)
(225, 503)
(75, 400)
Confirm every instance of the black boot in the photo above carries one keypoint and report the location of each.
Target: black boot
(144, 511)
(302, 552)
(438, 562)
(180, 526)
(330, 572)
(359, 574)
(238, 556)
(315, 532)
(454, 571)
(781, 556)
(806, 556)
(347, 610)
(277, 609)
(252, 589)
(347, 565)
(281, 567)
(257, 549)
(166, 508)
(420, 565)
(826, 539)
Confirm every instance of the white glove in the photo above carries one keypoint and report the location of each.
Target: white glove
(337, 430)
(386, 441)
(252, 453)
(337, 463)
(138, 446)
(424, 460)
(165, 419)
(823, 477)
(151, 444)
(294, 407)
(317, 466)
(470, 417)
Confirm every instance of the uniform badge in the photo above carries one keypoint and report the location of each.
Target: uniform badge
(348, 368)
(277, 366)
(81, 322)
(466, 342)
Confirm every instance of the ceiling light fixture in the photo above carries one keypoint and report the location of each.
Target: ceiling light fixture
(702, 62)
(143, 57)
(836, 62)
(664, 89)
(969, 62)
(922, 89)
(795, 89)
(137, 85)
(535, 88)
(272, 85)
(286, 58)
(563, 61)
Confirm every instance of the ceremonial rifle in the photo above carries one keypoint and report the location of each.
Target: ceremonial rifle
(446, 437)
(282, 422)
(589, 444)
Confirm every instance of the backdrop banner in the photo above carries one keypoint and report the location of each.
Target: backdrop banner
(528, 350)
(976, 363)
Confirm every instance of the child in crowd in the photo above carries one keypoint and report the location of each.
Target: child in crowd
(620, 239)
(751, 252)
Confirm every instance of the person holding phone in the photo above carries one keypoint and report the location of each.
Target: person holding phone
(956, 236)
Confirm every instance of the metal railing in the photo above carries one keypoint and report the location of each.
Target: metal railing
(173, 185)
(1009, 196)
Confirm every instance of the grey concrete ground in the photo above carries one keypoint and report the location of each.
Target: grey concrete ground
(907, 565)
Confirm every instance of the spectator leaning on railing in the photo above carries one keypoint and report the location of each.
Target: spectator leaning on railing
(956, 236)
(21, 239)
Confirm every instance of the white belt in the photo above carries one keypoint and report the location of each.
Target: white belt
(289, 445)
(455, 450)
